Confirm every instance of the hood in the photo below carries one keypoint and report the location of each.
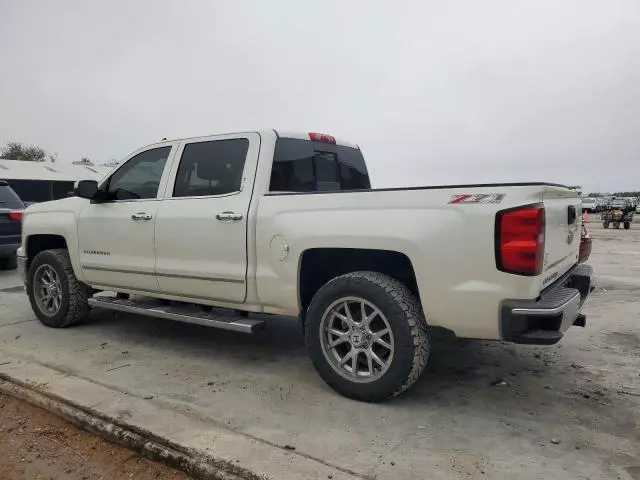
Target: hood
(64, 204)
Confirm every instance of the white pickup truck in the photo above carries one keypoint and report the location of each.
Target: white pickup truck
(216, 229)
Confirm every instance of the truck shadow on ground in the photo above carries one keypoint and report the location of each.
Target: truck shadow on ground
(455, 365)
(503, 383)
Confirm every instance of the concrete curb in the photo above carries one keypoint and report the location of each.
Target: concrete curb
(145, 443)
(159, 427)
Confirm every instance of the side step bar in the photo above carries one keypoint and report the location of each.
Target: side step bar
(182, 313)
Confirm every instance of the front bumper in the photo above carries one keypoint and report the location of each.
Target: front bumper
(8, 249)
(543, 321)
(22, 268)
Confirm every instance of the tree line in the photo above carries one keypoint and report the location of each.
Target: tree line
(635, 194)
(33, 153)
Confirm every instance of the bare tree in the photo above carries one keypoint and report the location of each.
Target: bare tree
(84, 161)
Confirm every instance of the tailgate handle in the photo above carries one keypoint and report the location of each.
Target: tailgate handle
(571, 215)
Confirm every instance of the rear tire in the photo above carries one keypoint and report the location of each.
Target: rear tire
(9, 263)
(627, 225)
(57, 297)
(605, 224)
(362, 376)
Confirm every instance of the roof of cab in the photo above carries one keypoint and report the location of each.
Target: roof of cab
(305, 136)
(278, 133)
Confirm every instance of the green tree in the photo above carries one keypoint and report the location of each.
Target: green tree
(19, 151)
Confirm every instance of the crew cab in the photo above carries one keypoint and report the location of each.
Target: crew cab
(213, 230)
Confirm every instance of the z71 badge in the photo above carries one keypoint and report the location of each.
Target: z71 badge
(477, 198)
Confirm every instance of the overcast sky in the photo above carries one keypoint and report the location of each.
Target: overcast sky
(434, 92)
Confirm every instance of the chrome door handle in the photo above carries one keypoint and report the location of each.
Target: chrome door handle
(229, 216)
(141, 216)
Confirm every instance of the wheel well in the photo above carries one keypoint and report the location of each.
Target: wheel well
(40, 243)
(319, 265)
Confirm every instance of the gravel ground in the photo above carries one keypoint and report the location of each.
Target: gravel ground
(38, 445)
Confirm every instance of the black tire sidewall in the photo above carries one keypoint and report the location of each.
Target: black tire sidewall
(402, 363)
(48, 258)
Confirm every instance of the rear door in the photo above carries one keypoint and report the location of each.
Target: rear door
(201, 227)
(563, 227)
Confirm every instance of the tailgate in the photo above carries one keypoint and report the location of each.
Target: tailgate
(563, 227)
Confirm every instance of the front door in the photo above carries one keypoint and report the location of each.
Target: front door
(201, 227)
(116, 235)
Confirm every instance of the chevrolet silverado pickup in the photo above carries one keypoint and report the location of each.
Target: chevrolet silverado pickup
(224, 230)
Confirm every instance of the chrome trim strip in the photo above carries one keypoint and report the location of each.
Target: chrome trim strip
(548, 311)
(205, 197)
(196, 277)
(116, 270)
(168, 275)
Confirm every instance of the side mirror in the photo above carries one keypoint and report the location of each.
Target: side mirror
(86, 189)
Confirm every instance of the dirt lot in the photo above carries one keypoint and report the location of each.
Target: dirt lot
(482, 409)
(38, 445)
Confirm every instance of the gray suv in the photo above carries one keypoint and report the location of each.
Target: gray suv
(11, 210)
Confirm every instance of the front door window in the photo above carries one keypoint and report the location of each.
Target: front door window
(139, 177)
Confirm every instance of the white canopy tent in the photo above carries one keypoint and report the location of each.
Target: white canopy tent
(63, 172)
(43, 181)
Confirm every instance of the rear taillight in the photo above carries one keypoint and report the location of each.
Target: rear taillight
(16, 215)
(585, 246)
(520, 240)
(322, 138)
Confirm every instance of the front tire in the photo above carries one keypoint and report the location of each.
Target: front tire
(367, 336)
(57, 298)
(605, 224)
(627, 225)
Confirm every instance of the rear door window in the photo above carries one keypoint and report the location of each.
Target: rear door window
(307, 166)
(211, 168)
(9, 199)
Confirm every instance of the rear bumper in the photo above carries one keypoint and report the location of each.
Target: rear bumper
(544, 321)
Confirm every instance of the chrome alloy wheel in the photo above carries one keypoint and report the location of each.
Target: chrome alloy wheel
(47, 289)
(356, 339)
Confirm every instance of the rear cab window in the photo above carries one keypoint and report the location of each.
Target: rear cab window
(9, 199)
(311, 166)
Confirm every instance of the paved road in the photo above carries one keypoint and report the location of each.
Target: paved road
(567, 411)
